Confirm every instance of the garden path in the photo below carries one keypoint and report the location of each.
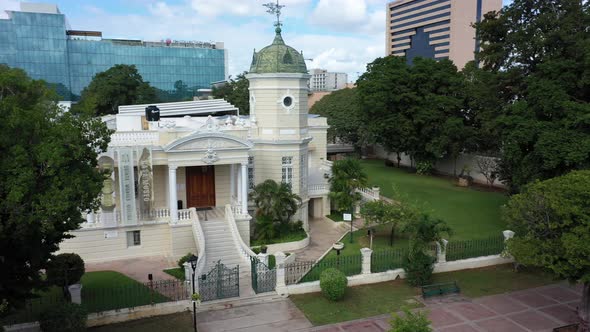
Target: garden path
(323, 232)
(536, 309)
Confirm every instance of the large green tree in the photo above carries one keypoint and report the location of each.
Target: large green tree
(236, 92)
(535, 57)
(343, 112)
(48, 178)
(417, 110)
(551, 221)
(119, 85)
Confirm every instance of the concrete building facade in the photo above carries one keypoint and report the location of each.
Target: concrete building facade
(323, 80)
(437, 29)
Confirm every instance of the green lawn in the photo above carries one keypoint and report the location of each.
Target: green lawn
(383, 298)
(103, 290)
(472, 213)
(359, 302)
(108, 290)
(289, 237)
(176, 272)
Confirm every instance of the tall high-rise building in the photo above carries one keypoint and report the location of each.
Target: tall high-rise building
(39, 40)
(323, 80)
(438, 29)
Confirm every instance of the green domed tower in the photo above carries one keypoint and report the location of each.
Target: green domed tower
(279, 116)
(278, 58)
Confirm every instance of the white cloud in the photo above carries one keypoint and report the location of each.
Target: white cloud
(349, 15)
(349, 54)
(8, 5)
(213, 8)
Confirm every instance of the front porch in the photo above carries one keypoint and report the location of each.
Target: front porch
(176, 189)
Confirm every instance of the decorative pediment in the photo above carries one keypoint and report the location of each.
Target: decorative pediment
(208, 142)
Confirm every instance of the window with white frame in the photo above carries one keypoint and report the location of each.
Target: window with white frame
(287, 167)
(304, 174)
(250, 173)
(133, 238)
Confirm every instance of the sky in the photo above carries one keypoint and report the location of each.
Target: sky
(337, 35)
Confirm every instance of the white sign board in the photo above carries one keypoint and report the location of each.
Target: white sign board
(110, 234)
(347, 217)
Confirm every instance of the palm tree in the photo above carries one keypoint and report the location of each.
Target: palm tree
(426, 231)
(347, 176)
(276, 201)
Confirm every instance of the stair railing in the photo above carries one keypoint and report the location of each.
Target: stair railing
(243, 249)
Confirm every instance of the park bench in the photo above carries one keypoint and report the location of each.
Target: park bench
(440, 289)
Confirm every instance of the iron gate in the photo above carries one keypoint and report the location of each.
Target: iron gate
(263, 279)
(220, 283)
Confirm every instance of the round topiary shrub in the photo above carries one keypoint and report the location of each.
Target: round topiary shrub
(65, 270)
(64, 317)
(418, 267)
(333, 284)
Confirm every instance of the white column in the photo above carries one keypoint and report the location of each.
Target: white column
(281, 286)
(244, 188)
(232, 183)
(366, 260)
(172, 195)
(441, 251)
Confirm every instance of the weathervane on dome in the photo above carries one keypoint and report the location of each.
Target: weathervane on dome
(275, 9)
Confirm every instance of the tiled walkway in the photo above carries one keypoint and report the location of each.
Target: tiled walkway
(537, 309)
(323, 233)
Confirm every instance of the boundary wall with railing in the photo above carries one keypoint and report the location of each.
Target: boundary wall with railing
(385, 265)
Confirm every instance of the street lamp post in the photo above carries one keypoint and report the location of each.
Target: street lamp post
(193, 262)
(351, 220)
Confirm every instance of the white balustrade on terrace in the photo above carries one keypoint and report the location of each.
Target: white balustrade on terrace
(318, 189)
(238, 211)
(133, 138)
(370, 194)
(184, 214)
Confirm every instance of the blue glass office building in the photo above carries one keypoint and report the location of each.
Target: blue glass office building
(38, 39)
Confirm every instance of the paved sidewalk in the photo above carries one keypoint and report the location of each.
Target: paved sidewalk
(537, 309)
(323, 233)
(137, 268)
(281, 315)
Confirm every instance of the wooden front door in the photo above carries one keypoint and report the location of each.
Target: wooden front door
(200, 186)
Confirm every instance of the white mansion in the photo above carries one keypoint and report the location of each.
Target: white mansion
(179, 182)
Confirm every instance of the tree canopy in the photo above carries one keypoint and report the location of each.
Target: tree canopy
(119, 85)
(415, 109)
(236, 92)
(551, 221)
(48, 178)
(343, 112)
(533, 90)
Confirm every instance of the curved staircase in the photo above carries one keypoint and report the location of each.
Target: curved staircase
(220, 245)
